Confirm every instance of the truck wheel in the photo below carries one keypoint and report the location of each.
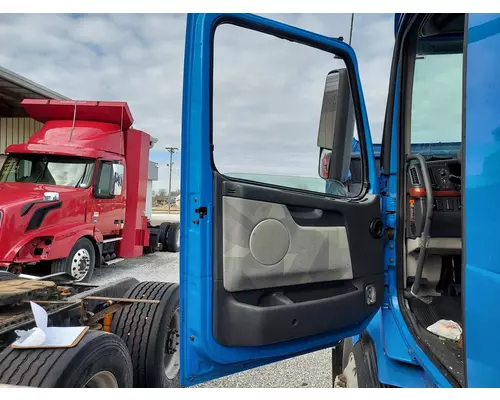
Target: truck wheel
(349, 370)
(7, 276)
(151, 332)
(344, 372)
(100, 360)
(80, 263)
(359, 364)
(173, 238)
(337, 358)
(163, 235)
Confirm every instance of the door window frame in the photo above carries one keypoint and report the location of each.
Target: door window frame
(362, 125)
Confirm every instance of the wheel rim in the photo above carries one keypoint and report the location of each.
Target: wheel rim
(80, 264)
(103, 379)
(178, 238)
(350, 372)
(171, 360)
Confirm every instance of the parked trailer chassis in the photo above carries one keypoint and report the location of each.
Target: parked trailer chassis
(138, 321)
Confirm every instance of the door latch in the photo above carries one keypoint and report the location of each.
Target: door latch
(202, 211)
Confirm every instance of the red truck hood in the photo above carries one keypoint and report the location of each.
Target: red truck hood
(14, 193)
(18, 204)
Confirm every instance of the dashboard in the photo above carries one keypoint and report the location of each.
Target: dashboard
(445, 179)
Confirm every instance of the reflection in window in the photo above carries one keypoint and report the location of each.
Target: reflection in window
(51, 170)
(104, 184)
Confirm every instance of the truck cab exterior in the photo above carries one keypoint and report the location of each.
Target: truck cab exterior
(68, 199)
(409, 242)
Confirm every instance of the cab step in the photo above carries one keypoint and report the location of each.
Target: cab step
(113, 261)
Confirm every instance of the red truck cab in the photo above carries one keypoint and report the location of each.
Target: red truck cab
(74, 196)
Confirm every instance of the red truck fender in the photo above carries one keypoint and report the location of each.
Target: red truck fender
(54, 242)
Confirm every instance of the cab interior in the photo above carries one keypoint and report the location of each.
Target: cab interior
(430, 186)
(430, 206)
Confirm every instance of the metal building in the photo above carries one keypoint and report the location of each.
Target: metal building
(15, 125)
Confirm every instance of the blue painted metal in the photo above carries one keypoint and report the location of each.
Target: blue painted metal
(482, 188)
(355, 339)
(395, 345)
(397, 337)
(201, 357)
(390, 371)
(433, 375)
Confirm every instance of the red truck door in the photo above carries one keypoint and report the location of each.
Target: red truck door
(109, 198)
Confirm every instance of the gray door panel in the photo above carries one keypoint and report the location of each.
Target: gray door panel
(285, 261)
(264, 247)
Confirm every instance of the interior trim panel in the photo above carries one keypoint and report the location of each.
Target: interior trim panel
(264, 247)
(284, 259)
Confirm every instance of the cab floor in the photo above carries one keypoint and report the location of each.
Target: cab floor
(447, 351)
(442, 307)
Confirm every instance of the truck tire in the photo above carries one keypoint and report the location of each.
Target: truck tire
(151, 333)
(100, 360)
(173, 237)
(359, 363)
(163, 235)
(80, 263)
(337, 361)
(7, 276)
(349, 363)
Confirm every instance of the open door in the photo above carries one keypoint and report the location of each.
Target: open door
(480, 186)
(272, 267)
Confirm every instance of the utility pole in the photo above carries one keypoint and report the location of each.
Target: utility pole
(171, 150)
(350, 31)
(341, 38)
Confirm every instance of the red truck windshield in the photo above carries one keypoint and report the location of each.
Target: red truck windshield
(48, 169)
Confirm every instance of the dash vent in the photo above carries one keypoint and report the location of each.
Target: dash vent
(414, 177)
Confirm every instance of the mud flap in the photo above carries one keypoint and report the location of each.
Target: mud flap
(366, 363)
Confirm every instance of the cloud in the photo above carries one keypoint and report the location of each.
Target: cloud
(268, 93)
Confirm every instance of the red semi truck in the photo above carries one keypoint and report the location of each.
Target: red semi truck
(74, 196)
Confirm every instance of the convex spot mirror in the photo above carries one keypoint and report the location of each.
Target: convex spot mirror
(336, 127)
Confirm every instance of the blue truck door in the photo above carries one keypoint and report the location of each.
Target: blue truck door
(227, 326)
(482, 188)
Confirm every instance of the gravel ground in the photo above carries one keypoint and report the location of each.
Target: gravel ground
(311, 370)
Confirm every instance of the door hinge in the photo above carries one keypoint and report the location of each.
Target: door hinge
(389, 233)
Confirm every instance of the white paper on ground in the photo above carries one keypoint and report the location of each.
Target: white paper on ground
(47, 336)
(447, 329)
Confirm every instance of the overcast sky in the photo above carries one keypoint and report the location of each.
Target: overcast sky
(267, 91)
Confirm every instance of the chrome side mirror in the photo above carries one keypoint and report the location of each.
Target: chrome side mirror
(51, 196)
